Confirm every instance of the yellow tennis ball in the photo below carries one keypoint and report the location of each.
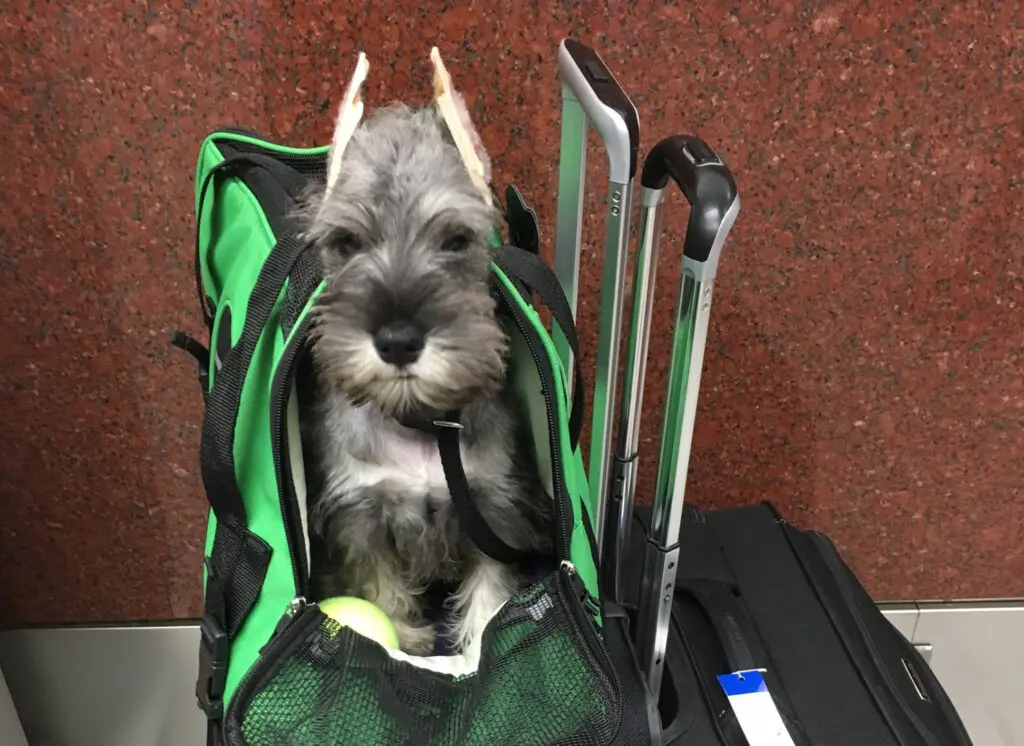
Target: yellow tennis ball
(361, 617)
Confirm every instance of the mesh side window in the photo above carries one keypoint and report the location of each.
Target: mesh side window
(537, 685)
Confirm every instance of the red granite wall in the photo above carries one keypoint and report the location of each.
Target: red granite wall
(865, 362)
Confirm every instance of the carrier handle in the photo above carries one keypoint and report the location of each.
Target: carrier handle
(592, 96)
(709, 187)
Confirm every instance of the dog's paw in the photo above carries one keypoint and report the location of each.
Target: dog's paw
(415, 639)
(470, 646)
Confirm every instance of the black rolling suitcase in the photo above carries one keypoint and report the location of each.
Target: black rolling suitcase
(753, 633)
(753, 592)
(749, 631)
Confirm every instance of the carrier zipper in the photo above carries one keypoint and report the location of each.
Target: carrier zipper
(299, 161)
(585, 610)
(279, 393)
(562, 504)
(294, 624)
(583, 594)
(291, 612)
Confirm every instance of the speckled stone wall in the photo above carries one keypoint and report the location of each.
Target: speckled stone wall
(865, 362)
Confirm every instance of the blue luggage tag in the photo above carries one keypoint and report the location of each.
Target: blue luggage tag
(755, 709)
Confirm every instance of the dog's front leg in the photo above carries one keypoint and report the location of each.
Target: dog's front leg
(381, 582)
(487, 586)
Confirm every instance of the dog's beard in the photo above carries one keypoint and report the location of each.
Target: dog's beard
(454, 368)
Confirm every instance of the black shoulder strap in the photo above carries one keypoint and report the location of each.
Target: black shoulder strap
(239, 559)
(530, 269)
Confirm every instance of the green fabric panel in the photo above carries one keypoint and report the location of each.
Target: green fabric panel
(572, 461)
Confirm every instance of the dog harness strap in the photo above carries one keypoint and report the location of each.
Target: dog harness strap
(470, 518)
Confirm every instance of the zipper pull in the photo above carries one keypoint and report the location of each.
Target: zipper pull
(292, 610)
(583, 593)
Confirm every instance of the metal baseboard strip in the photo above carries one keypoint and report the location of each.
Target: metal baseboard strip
(105, 686)
(132, 685)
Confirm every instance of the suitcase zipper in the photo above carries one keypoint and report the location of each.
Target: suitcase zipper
(935, 692)
(836, 568)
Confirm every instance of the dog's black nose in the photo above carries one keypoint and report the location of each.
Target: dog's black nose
(399, 343)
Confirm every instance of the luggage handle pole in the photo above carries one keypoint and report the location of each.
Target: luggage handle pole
(624, 466)
(572, 167)
(714, 201)
(591, 94)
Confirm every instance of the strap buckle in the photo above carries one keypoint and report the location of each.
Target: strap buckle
(214, 646)
(431, 423)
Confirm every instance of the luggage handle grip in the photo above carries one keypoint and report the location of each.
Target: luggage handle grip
(708, 186)
(605, 103)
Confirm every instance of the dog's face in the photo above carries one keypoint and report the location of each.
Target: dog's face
(407, 320)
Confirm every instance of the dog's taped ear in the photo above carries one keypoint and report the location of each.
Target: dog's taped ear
(349, 115)
(456, 117)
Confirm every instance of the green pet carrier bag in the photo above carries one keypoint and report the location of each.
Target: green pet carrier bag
(556, 666)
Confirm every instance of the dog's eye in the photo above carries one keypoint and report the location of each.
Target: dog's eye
(456, 242)
(346, 242)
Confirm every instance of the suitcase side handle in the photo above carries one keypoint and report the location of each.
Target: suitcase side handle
(730, 620)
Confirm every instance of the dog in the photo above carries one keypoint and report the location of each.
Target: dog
(406, 329)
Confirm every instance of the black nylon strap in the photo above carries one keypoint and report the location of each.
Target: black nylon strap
(304, 278)
(216, 452)
(530, 269)
(238, 563)
(470, 519)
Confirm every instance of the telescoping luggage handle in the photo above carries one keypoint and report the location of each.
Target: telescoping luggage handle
(591, 94)
(709, 187)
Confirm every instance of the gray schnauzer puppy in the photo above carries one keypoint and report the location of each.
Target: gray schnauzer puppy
(406, 328)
